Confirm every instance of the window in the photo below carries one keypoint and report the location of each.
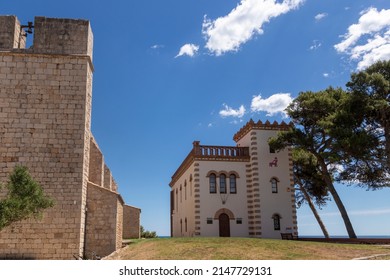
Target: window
(239, 221)
(232, 181)
(271, 150)
(222, 183)
(276, 218)
(181, 226)
(177, 200)
(185, 222)
(190, 184)
(181, 196)
(274, 185)
(209, 221)
(213, 183)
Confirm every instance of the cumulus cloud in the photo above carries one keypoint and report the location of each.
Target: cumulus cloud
(230, 112)
(245, 21)
(273, 105)
(368, 40)
(188, 49)
(320, 16)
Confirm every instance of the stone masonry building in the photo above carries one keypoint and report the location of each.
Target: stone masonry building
(45, 124)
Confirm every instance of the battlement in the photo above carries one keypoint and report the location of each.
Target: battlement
(51, 36)
(12, 36)
(261, 126)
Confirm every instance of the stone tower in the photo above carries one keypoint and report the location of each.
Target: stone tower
(45, 124)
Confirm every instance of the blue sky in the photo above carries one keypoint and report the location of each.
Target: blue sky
(171, 72)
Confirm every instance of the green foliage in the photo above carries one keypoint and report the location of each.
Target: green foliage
(308, 176)
(370, 92)
(148, 234)
(322, 128)
(341, 136)
(25, 198)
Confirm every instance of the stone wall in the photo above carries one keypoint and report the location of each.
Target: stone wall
(65, 36)
(131, 222)
(11, 34)
(43, 120)
(45, 124)
(104, 211)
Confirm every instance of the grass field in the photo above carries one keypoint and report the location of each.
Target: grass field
(243, 249)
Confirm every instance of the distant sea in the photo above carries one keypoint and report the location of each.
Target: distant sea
(332, 236)
(345, 236)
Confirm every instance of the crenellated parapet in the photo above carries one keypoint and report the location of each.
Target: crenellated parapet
(262, 126)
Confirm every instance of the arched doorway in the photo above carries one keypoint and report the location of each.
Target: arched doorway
(224, 225)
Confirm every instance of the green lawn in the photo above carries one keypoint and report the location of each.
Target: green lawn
(242, 249)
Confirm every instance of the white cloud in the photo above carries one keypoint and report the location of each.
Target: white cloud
(274, 104)
(326, 75)
(230, 112)
(316, 44)
(157, 47)
(188, 49)
(368, 40)
(245, 21)
(320, 16)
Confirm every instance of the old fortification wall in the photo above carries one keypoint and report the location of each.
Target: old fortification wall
(45, 120)
(104, 208)
(131, 222)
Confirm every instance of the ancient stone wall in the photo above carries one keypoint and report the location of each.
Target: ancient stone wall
(11, 33)
(45, 104)
(102, 221)
(131, 222)
(45, 124)
(43, 120)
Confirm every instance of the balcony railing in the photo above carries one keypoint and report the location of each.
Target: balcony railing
(223, 152)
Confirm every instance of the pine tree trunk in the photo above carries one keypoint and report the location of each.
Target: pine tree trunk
(314, 210)
(337, 200)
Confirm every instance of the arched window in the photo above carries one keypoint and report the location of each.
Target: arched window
(213, 183)
(274, 185)
(232, 181)
(222, 183)
(276, 219)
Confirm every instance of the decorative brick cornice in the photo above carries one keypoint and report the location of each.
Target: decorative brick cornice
(260, 125)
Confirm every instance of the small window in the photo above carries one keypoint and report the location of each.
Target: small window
(185, 222)
(276, 219)
(232, 181)
(239, 221)
(209, 221)
(274, 185)
(222, 183)
(177, 200)
(213, 181)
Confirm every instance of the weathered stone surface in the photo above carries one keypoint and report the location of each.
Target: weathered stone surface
(45, 124)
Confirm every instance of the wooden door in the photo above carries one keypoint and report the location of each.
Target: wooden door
(224, 225)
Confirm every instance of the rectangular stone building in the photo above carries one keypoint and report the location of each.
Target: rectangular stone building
(45, 124)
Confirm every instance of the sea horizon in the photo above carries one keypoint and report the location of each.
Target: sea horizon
(332, 236)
